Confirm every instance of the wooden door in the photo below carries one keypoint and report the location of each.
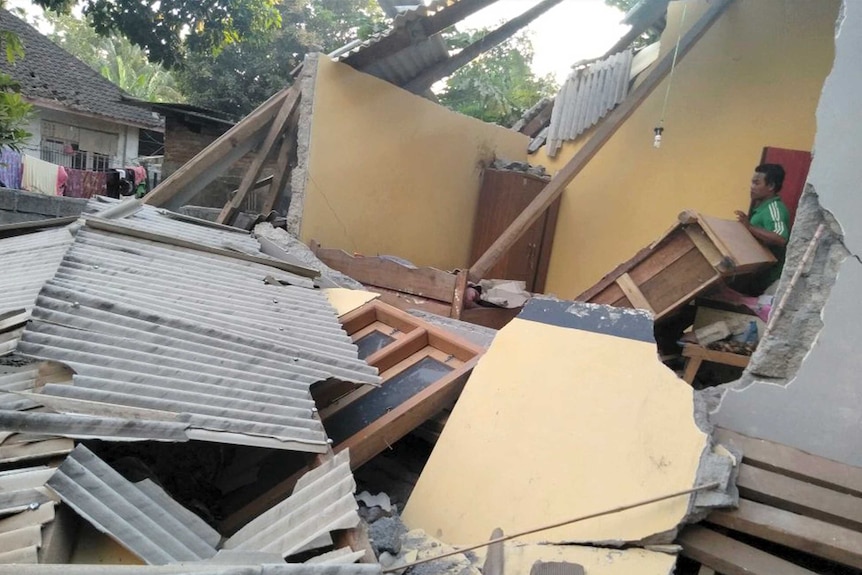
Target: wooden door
(503, 196)
(795, 164)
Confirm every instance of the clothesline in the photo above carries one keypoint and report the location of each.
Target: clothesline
(25, 172)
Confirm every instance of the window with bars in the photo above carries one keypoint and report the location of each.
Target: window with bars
(78, 148)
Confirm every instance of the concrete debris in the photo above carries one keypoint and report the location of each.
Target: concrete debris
(524, 167)
(504, 293)
(380, 500)
(385, 534)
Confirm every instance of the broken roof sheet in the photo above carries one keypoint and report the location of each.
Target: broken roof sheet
(154, 220)
(25, 506)
(322, 501)
(171, 343)
(204, 568)
(28, 261)
(140, 516)
(588, 94)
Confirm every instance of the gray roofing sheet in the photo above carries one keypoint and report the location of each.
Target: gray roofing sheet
(48, 72)
(21, 529)
(183, 344)
(587, 96)
(156, 220)
(405, 65)
(27, 262)
(23, 489)
(200, 568)
(322, 501)
(140, 516)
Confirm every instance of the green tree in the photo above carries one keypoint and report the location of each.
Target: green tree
(244, 74)
(169, 29)
(14, 110)
(500, 85)
(115, 58)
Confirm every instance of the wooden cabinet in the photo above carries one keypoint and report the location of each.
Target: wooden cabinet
(503, 196)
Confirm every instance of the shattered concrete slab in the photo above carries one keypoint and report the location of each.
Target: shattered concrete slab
(568, 413)
(817, 408)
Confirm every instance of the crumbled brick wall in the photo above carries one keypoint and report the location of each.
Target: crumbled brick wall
(20, 206)
(182, 143)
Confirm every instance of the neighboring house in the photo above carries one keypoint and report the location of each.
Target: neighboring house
(81, 119)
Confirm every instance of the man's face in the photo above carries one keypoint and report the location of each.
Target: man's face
(759, 189)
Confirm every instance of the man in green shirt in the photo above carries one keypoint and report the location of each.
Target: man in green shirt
(768, 220)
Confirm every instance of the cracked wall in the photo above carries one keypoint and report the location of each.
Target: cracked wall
(802, 387)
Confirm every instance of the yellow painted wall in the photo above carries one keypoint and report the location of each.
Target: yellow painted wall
(753, 80)
(393, 173)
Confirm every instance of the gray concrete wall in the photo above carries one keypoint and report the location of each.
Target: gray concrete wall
(804, 385)
(20, 206)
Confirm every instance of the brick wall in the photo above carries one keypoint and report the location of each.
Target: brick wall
(183, 141)
(20, 206)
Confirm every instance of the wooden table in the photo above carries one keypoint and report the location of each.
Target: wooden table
(697, 354)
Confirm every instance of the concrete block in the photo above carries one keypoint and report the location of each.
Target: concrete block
(8, 199)
(70, 206)
(31, 203)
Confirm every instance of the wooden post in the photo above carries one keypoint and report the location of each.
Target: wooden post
(211, 162)
(604, 133)
(448, 66)
(282, 169)
(458, 295)
(276, 128)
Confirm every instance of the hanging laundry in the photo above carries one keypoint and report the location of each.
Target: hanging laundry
(139, 174)
(94, 184)
(39, 176)
(10, 169)
(62, 177)
(74, 183)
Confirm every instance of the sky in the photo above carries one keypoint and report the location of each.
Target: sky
(571, 31)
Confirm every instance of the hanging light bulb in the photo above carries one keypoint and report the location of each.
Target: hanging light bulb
(656, 142)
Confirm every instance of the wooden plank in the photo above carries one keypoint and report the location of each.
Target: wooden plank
(736, 243)
(403, 36)
(546, 246)
(109, 226)
(690, 274)
(398, 422)
(702, 242)
(375, 271)
(673, 247)
(534, 126)
(600, 137)
(634, 294)
(794, 463)
(282, 167)
(731, 557)
(797, 496)
(469, 53)
(251, 175)
(458, 295)
(692, 365)
(805, 534)
(210, 162)
(724, 357)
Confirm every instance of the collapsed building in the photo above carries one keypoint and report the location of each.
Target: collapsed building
(184, 396)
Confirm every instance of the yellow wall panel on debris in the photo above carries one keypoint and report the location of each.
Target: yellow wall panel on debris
(555, 423)
(392, 173)
(753, 80)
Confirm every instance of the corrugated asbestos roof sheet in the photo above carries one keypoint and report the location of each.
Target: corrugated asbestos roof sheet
(25, 505)
(141, 516)
(322, 501)
(158, 221)
(203, 568)
(28, 261)
(17, 445)
(170, 343)
(587, 96)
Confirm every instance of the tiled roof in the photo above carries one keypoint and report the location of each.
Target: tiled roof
(47, 72)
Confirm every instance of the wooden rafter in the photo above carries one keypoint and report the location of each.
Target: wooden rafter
(601, 136)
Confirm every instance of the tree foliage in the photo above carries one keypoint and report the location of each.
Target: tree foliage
(169, 29)
(15, 112)
(244, 74)
(115, 58)
(500, 85)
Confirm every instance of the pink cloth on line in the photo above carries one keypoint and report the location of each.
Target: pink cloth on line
(62, 176)
(140, 174)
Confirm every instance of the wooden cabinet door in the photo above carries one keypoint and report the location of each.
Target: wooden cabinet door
(503, 196)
